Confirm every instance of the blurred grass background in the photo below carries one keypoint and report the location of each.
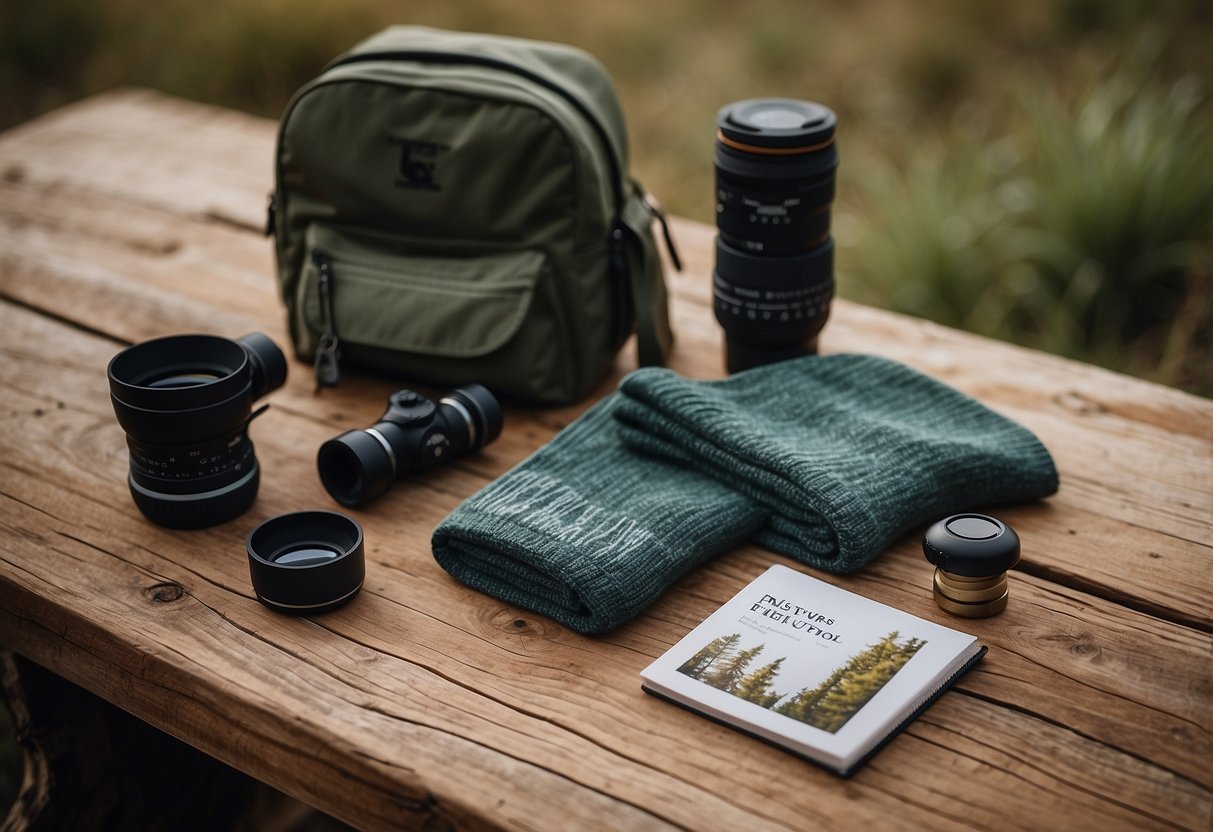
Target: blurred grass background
(1041, 172)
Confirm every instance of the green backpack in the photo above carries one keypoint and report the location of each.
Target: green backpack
(454, 207)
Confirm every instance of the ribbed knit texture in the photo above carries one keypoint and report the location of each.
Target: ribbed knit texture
(588, 533)
(825, 459)
(845, 451)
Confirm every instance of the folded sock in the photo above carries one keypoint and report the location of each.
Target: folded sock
(846, 451)
(588, 533)
(825, 459)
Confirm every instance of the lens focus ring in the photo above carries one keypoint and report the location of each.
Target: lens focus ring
(793, 272)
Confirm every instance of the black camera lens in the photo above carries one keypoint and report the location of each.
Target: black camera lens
(185, 402)
(775, 160)
(306, 562)
(414, 434)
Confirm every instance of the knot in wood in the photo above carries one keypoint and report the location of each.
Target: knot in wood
(1085, 648)
(1076, 402)
(164, 592)
(537, 631)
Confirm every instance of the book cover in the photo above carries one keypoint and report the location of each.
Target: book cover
(817, 670)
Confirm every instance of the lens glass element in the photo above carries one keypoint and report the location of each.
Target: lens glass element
(306, 562)
(778, 117)
(186, 379)
(304, 554)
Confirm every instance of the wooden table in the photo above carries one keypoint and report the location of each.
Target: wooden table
(132, 215)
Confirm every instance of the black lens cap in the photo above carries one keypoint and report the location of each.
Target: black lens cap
(306, 562)
(776, 122)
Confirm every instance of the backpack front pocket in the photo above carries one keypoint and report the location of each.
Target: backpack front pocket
(369, 299)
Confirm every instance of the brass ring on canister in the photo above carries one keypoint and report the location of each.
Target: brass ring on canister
(970, 597)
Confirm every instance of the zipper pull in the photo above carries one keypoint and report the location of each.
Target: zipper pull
(656, 213)
(328, 354)
(271, 217)
(621, 313)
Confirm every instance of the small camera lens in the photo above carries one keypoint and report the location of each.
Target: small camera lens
(185, 402)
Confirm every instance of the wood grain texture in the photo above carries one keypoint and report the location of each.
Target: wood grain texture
(427, 704)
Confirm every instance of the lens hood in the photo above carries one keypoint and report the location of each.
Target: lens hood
(306, 562)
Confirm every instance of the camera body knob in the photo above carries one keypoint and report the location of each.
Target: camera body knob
(407, 407)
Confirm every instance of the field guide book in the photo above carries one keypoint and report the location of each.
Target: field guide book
(822, 672)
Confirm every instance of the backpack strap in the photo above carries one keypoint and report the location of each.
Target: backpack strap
(654, 337)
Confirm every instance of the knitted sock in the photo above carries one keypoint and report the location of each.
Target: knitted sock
(588, 533)
(845, 451)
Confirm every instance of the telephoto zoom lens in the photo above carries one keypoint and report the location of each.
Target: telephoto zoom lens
(185, 402)
(413, 435)
(775, 161)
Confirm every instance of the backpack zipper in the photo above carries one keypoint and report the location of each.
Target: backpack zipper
(328, 353)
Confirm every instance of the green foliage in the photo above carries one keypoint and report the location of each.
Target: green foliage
(1083, 230)
(832, 703)
(719, 649)
(1076, 227)
(827, 706)
(756, 686)
(727, 674)
(1118, 231)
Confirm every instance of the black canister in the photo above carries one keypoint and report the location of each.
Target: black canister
(971, 553)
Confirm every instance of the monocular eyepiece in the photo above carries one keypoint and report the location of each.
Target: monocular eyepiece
(357, 466)
(267, 363)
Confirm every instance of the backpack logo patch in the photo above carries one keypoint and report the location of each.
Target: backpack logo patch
(417, 161)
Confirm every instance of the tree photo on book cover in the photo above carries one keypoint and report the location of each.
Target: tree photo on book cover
(725, 664)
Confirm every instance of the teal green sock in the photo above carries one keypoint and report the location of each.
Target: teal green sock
(846, 452)
(588, 533)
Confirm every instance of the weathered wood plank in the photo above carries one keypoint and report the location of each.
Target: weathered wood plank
(1093, 707)
(142, 147)
(419, 648)
(141, 272)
